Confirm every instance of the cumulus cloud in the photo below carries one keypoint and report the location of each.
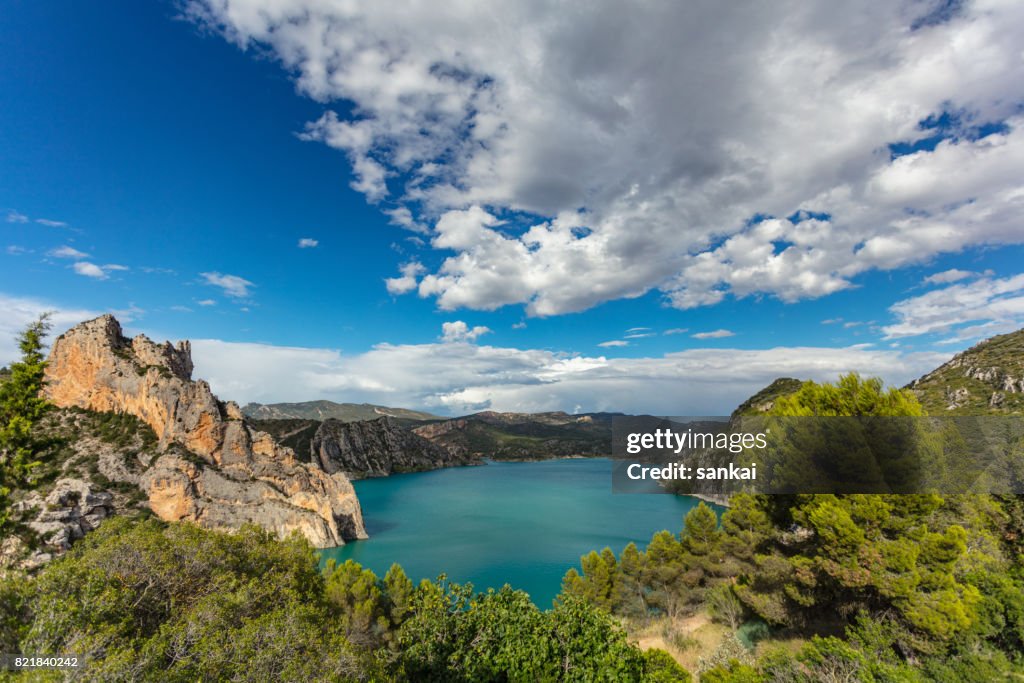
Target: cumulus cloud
(993, 305)
(407, 281)
(714, 334)
(20, 311)
(458, 331)
(468, 377)
(67, 252)
(308, 243)
(233, 285)
(650, 143)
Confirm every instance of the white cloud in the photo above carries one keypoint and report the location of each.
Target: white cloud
(233, 285)
(407, 281)
(671, 125)
(15, 217)
(50, 223)
(90, 270)
(638, 329)
(715, 334)
(308, 243)
(181, 309)
(458, 331)
(67, 252)
(207, 302)
(639, 335)
(831, 321)
(467, 377)
(947, 276)
(614, 343)
(20, 311)
(677, 330)
(15, 250)
(994, 304)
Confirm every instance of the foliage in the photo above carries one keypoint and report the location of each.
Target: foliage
(144, 600)
(925, 586)
(21, 407)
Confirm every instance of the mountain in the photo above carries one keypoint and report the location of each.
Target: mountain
(524, 436)
(329, 410)
(209, 465)
(986, 378)
(377, 448)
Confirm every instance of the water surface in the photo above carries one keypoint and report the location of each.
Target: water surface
(523, 524)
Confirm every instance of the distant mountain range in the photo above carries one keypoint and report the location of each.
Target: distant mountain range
(329, 410)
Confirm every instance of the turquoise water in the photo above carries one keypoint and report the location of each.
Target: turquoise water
(523, 524)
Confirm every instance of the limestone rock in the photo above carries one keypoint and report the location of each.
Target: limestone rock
(377, 448)
(241, 475)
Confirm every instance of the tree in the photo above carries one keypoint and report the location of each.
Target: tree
(21, 407)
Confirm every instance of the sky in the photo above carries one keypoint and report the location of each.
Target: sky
(640, 207)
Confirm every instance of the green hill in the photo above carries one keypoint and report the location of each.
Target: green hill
(986, 378)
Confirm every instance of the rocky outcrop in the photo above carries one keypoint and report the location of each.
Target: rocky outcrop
(72, 508)
(377, 448)
(215, 469)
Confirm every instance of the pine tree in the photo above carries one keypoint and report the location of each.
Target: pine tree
(21, 407)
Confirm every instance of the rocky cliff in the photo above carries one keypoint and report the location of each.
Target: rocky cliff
(377, 448)
(214, 468)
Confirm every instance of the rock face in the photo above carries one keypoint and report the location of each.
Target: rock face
(377, 448)
(215, 469)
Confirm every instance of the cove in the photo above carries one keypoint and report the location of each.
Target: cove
(521, 523)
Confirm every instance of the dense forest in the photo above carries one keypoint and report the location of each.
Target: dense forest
(803, 587)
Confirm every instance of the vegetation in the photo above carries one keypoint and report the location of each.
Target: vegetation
(881, 587)
(144, 600)
(20, 409)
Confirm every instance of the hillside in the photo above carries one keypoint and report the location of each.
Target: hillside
(523, 436)
(329, 410)
(986, 378)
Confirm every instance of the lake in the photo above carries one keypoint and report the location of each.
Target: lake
(519, 523)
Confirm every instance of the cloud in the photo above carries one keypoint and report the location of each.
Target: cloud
(676, 330)
(308, 243)
(994, 304)
(614, 343)
(15, 217)
(831, 321)
(468, 377)
(90, 270)
(232, 285)
(519, 325)
(639, 335)
(638, 329)
(947, 276)
(206, 302)
(852, 323)
(51, 224)
(67, 252)
(459, 331)
(15, 250)
(563, 155)
(407, 281)
(181, 309)
(20, 311)
(716, 334)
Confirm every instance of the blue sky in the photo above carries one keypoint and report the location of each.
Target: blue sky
(164, 160)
